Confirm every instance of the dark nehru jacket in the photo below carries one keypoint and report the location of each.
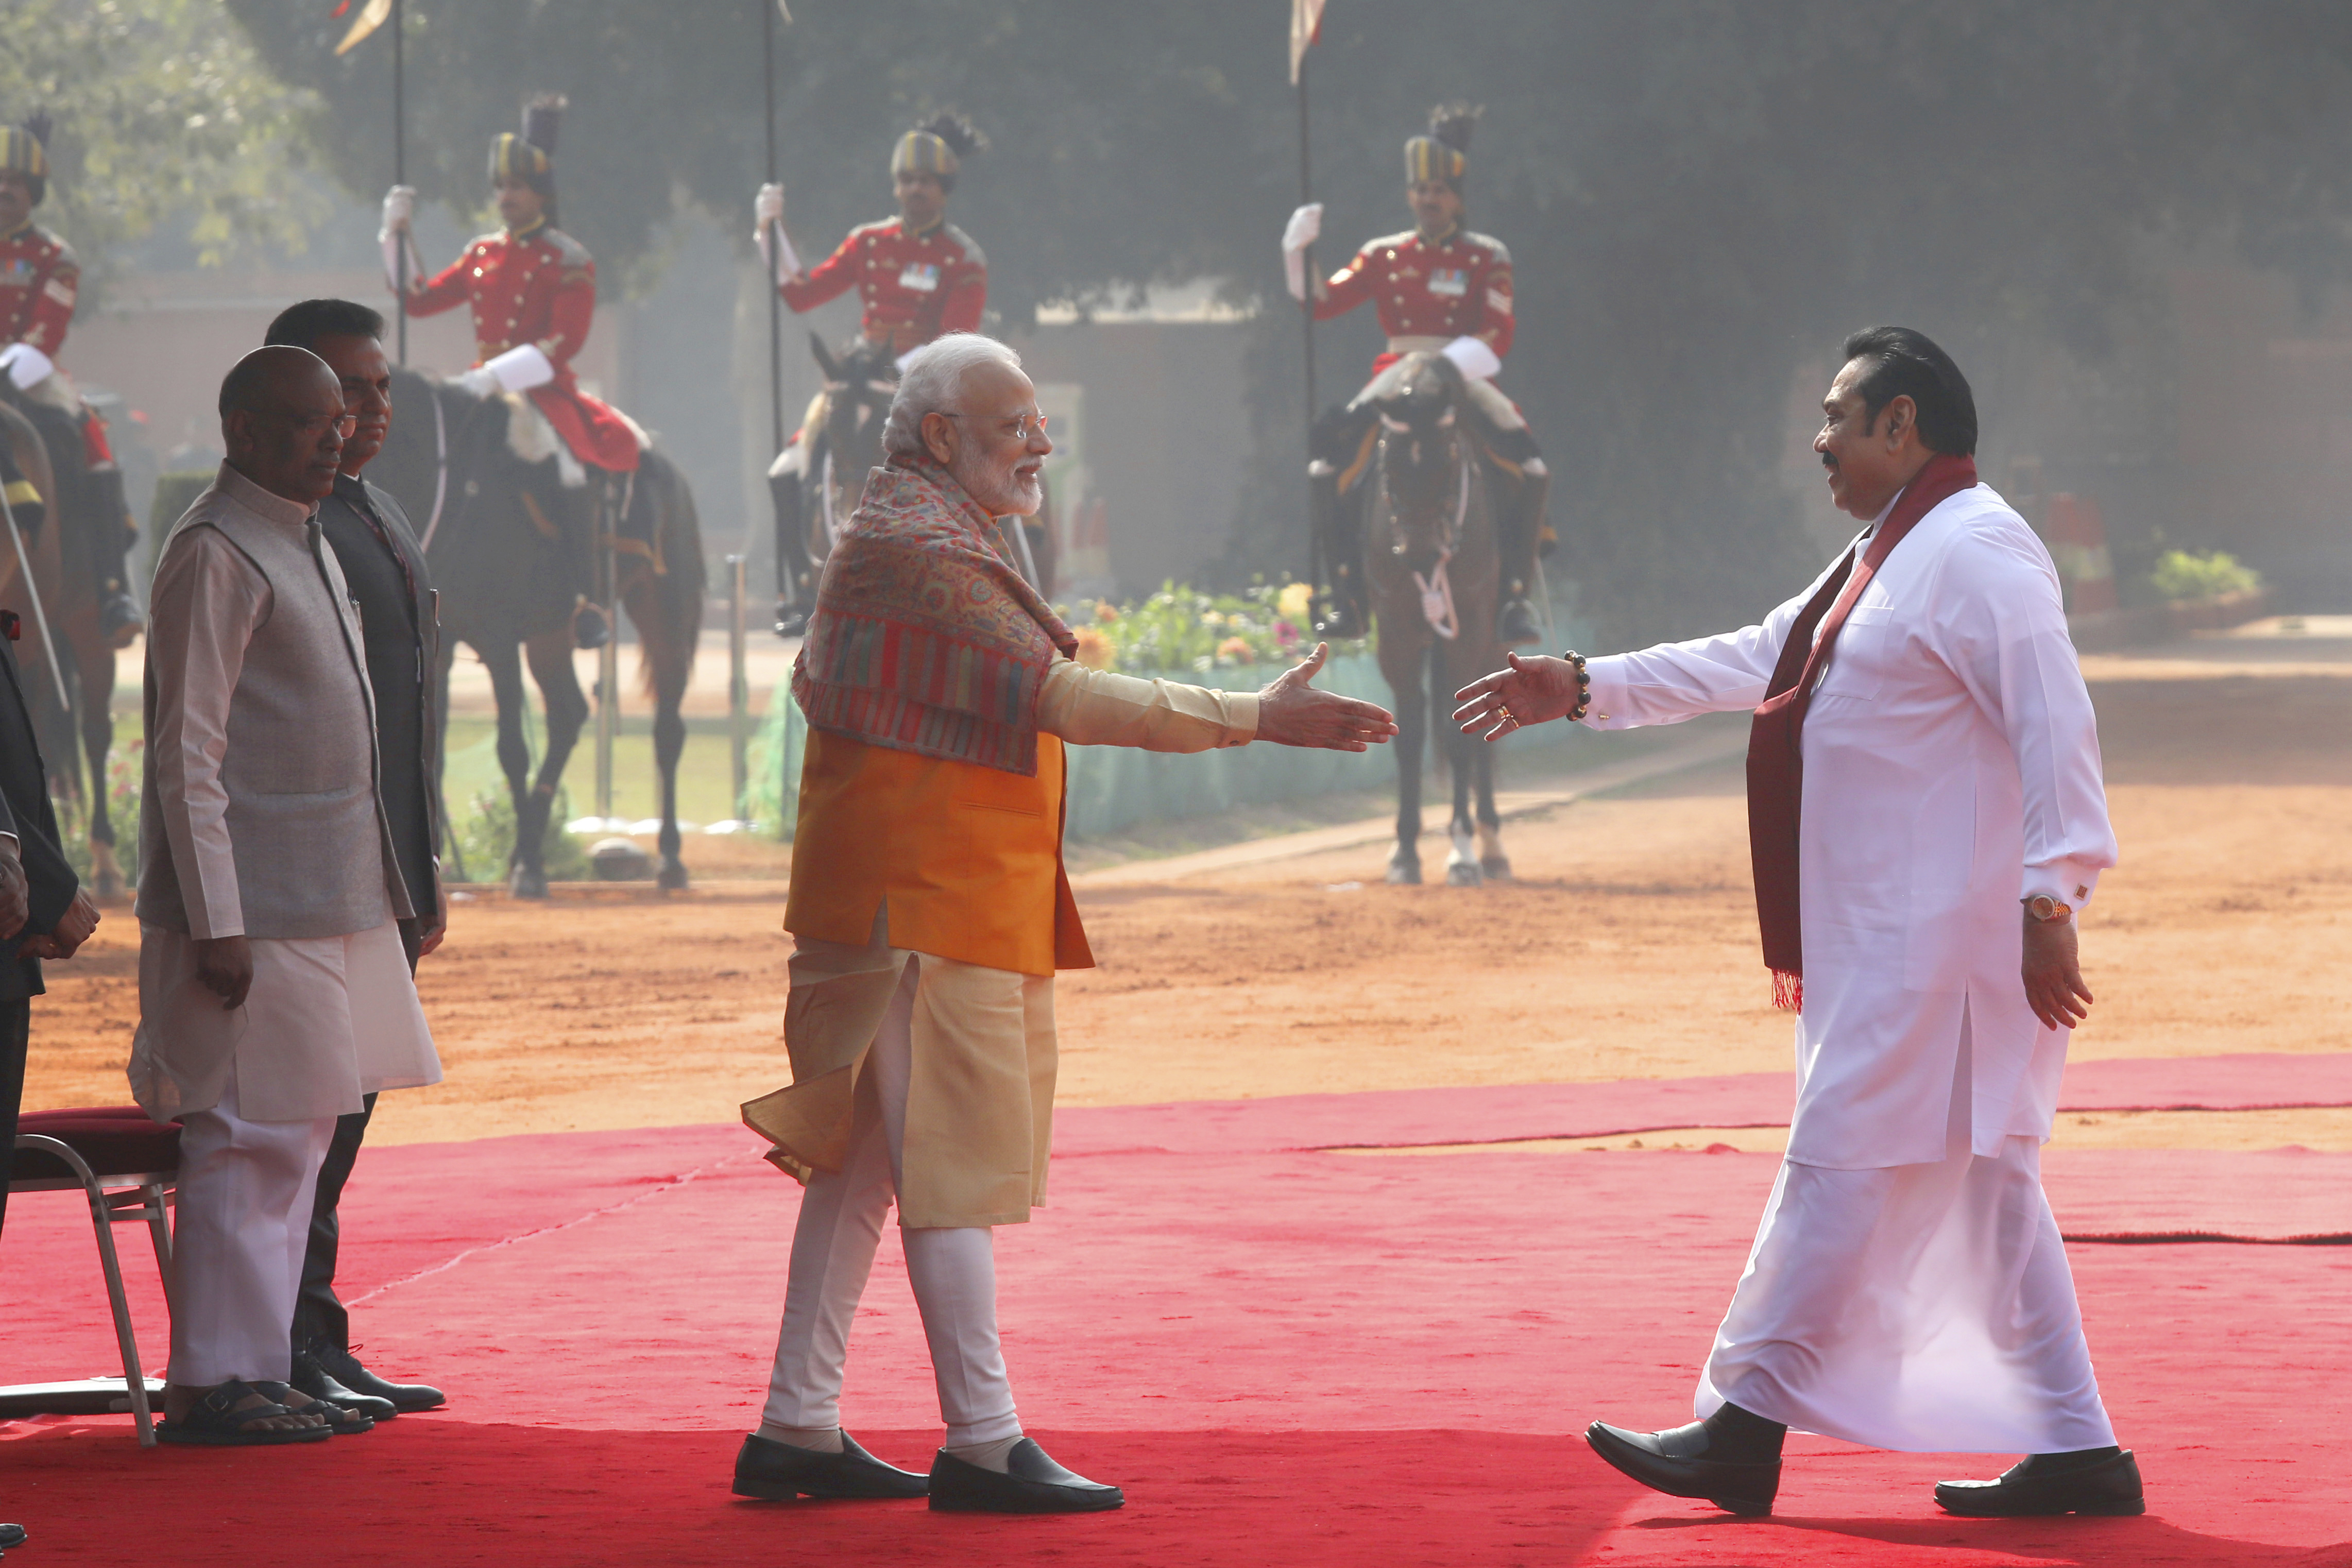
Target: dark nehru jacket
(385, 569)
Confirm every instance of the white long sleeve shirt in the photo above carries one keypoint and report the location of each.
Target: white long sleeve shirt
(1951, 764)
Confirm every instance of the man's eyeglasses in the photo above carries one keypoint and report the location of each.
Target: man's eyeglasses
(1021, 428)
(316, 424)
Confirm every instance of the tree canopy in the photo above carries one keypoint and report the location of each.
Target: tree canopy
(1700, 195)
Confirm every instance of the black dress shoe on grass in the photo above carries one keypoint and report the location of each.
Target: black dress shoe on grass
(345, 1368)
(2094, 1481)
(1676, 1463)
(779, 1472)
(1032, 1483)
(314, 1380)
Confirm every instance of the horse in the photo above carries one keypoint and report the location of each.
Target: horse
(483, 499)
(816, 482)
(1432, 563)
(68, 623)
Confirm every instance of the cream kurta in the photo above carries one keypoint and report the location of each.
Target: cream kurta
(328, 1018)
(981, 1099)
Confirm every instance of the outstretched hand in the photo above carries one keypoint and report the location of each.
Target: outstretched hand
(1531, 691)
(1292, 713)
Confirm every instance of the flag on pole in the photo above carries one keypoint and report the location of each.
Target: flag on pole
(1306, 22)
(369, 19)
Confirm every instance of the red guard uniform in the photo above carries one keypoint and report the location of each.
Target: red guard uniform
(39, 280)
(537, 288)
(1459, 286)
(914, 286)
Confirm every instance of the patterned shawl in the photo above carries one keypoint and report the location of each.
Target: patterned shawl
(924, 639)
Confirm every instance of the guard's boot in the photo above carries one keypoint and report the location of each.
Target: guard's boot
(795, 573)
(1341, 611)
(1521, 526)
(591, 628)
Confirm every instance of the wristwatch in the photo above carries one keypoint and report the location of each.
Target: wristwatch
(2045, 909)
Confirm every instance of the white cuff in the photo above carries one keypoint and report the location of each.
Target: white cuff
(1294, 273)
(1474, 357)
(2070, 882)
(520, 369)
(1606, 710)
(27, 367)
(786, 265)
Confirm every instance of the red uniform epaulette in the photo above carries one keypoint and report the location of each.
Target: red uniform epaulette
(1459, 286)
(39, 281)
(913, 286)
(540, 289)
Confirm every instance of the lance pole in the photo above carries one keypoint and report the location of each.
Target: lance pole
(1306, 334)
(775, 246)
(399, 177)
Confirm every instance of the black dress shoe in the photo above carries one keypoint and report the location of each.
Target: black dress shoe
(2103, 1481)
(781, 1472)
(319, 1383)
(1675, 1462)
(345, 1368)
(11, 1535)
(1032, 1483)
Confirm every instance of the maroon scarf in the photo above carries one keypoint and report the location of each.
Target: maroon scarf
(1775, 758)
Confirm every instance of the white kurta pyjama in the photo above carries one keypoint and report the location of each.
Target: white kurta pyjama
(1908, 1289)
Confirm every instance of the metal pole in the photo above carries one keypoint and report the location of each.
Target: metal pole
(739, 689)
(399, 177)
(608, 657)
(776, 248)
(1307, 332)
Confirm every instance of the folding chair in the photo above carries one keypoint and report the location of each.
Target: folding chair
(128, 1167)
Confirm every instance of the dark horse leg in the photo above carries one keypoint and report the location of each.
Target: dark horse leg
(504, 661)
(665, 606)
(94, 665)
(550, 656)
(1461, 859)
(1403, 665)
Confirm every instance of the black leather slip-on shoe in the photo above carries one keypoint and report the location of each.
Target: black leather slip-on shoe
(1650, 1458)
(1032, 1483)
(778, 1473)
(2107, 1486)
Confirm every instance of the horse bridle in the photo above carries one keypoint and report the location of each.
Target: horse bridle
(1436, 589)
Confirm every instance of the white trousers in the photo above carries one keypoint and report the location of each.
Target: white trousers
(1926, 1308)
(953, 1271)
(242, 1227)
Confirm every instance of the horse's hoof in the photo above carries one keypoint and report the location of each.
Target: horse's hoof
(1496, 867)
(1403, 872)
(671, 879)
(1463, 874)
(528, 883)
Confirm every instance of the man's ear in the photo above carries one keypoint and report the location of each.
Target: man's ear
(942, 445)
(1899, 414)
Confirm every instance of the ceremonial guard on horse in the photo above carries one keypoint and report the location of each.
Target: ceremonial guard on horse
(532, 288)
(1437, 286)
(918, 276)
(40, 281)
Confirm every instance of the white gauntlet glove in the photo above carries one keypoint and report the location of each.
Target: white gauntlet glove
(399, 209)
(767, 226)
(518, 369)
(1305, 228)
(1472, 357)
(27, 367)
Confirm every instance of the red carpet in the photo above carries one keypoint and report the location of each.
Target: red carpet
(1290, 1357)
(1511, 1113)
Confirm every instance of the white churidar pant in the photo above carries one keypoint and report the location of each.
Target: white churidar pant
(243, 1223)
(953, 1271)
(1927, 1308)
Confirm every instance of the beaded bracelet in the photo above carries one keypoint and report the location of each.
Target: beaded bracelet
(1583, 686)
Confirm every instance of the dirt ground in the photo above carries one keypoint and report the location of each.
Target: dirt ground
(1625, 947)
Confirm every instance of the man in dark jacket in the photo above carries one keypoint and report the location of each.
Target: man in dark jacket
(384, 568)
(44, 913)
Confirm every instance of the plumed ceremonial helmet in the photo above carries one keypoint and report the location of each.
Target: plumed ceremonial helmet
(24, 150)
(939, 146)
(1443, 153)
(531, 157)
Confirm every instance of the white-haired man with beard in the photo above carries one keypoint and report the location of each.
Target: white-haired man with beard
(928, 911)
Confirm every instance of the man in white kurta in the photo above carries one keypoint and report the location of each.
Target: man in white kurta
(274, 991)
(1907, 1288)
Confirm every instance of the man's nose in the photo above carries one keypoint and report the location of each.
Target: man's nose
(1040, 443)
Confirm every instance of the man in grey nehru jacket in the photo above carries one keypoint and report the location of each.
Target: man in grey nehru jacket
(274, 991)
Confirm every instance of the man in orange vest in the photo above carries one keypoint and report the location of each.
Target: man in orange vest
(929, 910)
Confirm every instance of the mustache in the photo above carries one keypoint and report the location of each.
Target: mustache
(1829, 462)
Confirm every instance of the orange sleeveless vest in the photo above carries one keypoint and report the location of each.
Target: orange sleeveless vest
(969, 858)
